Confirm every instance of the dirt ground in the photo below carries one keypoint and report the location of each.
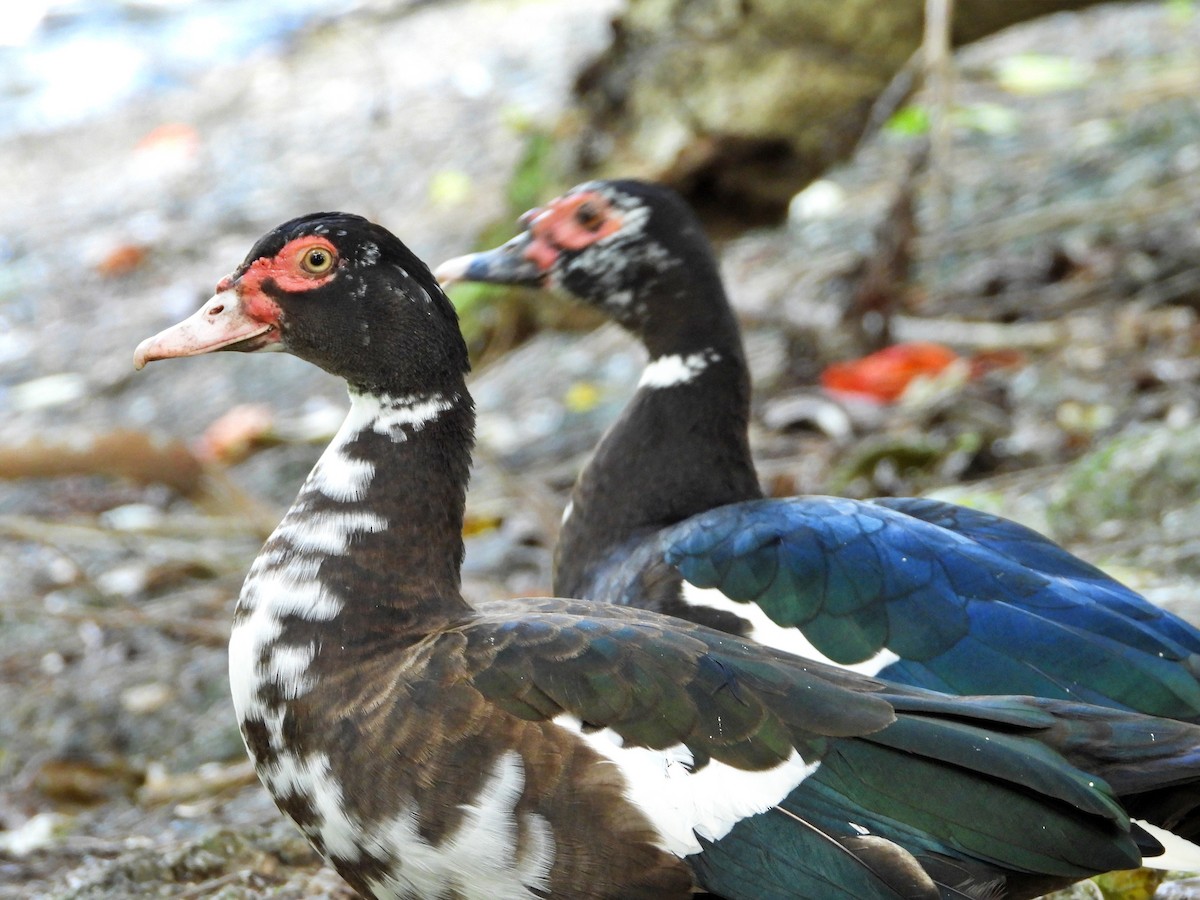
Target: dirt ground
(1060, 223)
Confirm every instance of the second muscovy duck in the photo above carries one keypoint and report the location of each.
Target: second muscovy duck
(533, 748)
(668, 513)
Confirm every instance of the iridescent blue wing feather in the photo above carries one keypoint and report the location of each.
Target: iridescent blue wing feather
(970, 603)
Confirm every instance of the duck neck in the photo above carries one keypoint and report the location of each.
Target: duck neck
(372, 546)
(681, 447)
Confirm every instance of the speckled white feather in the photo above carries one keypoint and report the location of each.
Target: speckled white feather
(289, 663)
(408, 413)
(682, 802)
(368, 254)
(480, 860)
(340, 478)
(311, 777)
(271, 597)
(284, 579)
(327, 532)
(764, 630)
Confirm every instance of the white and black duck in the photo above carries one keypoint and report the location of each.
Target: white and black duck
(545, 747)
(669, 514)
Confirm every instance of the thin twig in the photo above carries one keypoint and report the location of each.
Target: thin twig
(939, 79)
(898, 90)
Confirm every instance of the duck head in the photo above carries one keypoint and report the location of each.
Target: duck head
(633, 250)
(338, 291)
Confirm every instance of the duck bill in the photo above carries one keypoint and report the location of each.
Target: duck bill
(522, 261)
(223, 323)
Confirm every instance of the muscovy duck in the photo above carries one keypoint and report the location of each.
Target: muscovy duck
(669, 514)
(529, 748)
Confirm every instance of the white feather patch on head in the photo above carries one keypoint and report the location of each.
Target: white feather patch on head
(368, 253)
(764, 630)
(682, 802)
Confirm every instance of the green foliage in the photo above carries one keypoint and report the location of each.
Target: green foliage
(908, 121)
(987, 118)
(1123, 884)
(1140, 475)
(1130, 884)
(536, 176)
(450, 187)
(906, 455)
(1181, 11)
(495, 317)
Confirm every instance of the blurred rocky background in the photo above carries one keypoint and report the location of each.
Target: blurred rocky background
(1029, 205)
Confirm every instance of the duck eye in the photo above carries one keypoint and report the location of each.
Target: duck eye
(316, 260)
(589, 215)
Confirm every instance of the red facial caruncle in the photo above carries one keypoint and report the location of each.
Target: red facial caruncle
(569, 223)
(241, 315)
(303, 264)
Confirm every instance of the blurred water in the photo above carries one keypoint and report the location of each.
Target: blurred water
(65, 61)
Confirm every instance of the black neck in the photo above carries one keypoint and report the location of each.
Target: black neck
(676, 451)
(402, 519)
(419, 487)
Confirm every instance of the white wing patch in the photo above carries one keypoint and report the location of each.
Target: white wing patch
(682, 802)
(764, 630)
(1179, 854)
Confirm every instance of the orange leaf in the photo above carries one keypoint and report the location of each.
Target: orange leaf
(172, 139)
(236, 434)
(883, 376)
(121, 260)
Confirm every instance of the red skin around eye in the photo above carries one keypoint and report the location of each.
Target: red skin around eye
(556, 228)
(284, 267)
(285, 271)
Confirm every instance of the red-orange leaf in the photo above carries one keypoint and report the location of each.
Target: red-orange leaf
(883, 376)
